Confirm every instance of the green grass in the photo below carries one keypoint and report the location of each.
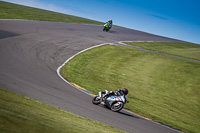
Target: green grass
(188, 50)
(20, 114)
(14, 11)
(161, 87)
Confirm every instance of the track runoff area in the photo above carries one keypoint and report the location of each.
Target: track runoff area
(93, 95)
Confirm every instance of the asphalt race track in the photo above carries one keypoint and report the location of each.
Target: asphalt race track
(32, 51)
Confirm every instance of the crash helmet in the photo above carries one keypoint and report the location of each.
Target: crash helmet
(110, 20)
(125, 91)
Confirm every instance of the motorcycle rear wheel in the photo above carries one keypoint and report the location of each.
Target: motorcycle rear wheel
(117, 106)
(96, 100)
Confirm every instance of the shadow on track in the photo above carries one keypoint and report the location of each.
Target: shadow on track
(5, 34)
(128, 114)
(122, 112)
(111, 31)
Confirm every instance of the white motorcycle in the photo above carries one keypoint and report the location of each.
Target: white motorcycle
(113, 102)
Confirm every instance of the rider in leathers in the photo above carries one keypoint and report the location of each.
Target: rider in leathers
(117, 92)
(110, 23)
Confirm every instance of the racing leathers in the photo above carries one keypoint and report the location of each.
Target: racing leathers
(110, 23)
(117, 92)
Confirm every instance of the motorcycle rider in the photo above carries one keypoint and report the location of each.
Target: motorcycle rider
(110, 23)
(117, 92)
(113, 100)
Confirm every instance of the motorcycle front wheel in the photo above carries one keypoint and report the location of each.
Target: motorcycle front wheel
(96, 100)
(117, 106)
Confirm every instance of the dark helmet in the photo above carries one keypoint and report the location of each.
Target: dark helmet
(125, 91)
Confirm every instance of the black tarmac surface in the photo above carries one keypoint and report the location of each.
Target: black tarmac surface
(31, 52)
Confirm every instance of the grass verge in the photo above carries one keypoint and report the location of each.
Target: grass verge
(188, 50)
(14, 11)
(21, 114)
(161, 87)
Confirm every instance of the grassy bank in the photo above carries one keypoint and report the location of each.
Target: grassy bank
(161, 87)
(188, 50)
(14, 11)
(21, 114)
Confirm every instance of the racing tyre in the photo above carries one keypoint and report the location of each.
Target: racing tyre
(96, 100)
(104, 28)
(117, 106)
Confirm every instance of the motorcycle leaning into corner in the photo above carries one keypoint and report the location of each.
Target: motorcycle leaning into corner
(106, 27)
(113, 102)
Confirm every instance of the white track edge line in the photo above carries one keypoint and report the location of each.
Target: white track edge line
(58, 70)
